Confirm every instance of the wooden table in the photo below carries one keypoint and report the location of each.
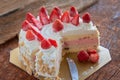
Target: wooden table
(106, 15)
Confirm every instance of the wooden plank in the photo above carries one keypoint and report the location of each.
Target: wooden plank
(7, 6)
(12, 23)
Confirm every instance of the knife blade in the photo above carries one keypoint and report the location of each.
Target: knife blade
(73, 69)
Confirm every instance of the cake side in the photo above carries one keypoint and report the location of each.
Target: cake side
(48, 61)
(28, 50)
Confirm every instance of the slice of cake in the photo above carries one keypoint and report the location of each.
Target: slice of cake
(43, 41)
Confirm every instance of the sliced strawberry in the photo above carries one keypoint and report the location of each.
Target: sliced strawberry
(25, 25)
(45, 44)
(31, 27)
(94, 57)
(75, 20)
(29, 17)
(43, 16)
(53, 42)
(54, 15)
(36, 32)
(83, 56)
(29, 35)
(91, 51)
(39, 36)
(65, 17)
(73, 11)
(58, 11)
(57, 25)
(37, 23)
(86, 17)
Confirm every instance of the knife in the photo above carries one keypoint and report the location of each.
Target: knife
(73, 69)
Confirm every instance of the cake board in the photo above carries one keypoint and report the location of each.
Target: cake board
(85, 69)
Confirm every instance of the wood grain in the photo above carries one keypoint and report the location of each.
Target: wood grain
(11, 24)
(7, 6)
(106, 15)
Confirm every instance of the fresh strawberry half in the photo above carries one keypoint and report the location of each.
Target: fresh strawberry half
(45, 44)
(34, 29)
(91, 51)
(94, 57)
(86, 17)
(65, 17)
(73, 11)
(54, 15)
(29, 35)
(83, 56)
(57, 25)
(25, 25)
(58, 10)
(75, 20)
(36, 32)
(43, 16)
(53, 42)
(29, 17)
(37, 23)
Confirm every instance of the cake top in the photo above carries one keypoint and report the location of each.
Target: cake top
(36, 29)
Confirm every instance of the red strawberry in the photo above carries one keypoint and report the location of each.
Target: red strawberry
(37, 23)
(65, 17)
(91, 51)
(83, 56)
(29, 35)
(94, 57)
(73, 11)
(75, 20)
(53, 42)
(86, 17)
(54, 15)
(58, 10)
(45, 44)
(57, 25)
(43, 16)
(29, 17)
(31, 27)
(25, 25)
(36, 32)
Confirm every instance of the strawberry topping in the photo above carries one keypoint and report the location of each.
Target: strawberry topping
(57, 25)
(73, 11)
(65, 17)
(53, 42)
(31, 27)
(45, 44)
(94, 57)
(75, 20)
(25, 25)
(91, 51)
(43, 16)
(58, 10)
(54, 15)
(29, 17)
(86, 17)
(83, 56)
(37, 33)
(29, 35)
(37, 23)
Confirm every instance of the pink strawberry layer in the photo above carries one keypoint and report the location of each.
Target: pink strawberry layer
(81, 42)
